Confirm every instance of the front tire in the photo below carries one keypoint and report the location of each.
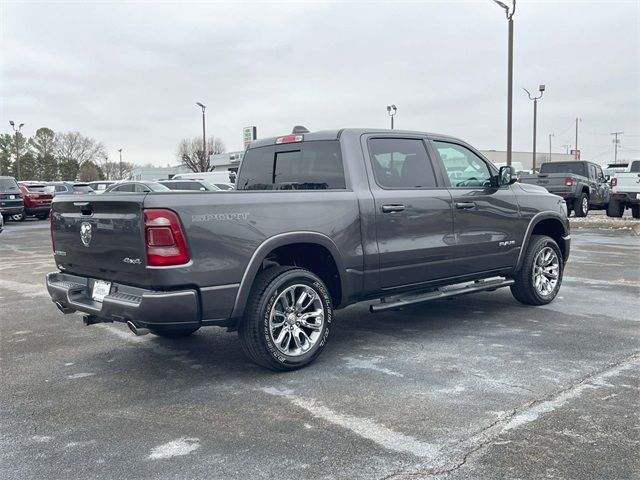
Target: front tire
(540, 277)
(581, 205)
(19, 217)
(287, 319)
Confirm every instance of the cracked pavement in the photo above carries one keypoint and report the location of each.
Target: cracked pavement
(478, 387)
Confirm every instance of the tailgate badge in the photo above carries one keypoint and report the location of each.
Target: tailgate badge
(85, 233)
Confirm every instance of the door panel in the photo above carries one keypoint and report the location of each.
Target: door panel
(486, 217)
(414, 217)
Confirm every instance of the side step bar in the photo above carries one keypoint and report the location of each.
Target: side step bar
(444, 292)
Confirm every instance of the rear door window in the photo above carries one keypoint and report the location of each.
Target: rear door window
(314, 165)
(401, 163)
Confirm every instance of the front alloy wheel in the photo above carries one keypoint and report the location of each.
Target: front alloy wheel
(540, 276)
(546, 268)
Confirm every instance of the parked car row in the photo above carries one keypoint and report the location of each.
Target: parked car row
(19, 200)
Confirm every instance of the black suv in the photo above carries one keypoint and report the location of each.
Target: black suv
(11, 202)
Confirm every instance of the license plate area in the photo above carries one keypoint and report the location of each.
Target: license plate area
(100, 290)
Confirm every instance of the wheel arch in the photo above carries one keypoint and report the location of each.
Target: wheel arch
(283, 247)
(546, 223)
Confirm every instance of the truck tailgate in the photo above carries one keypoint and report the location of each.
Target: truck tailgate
(100, 236)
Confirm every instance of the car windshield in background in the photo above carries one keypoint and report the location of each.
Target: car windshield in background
(315, 165)
(35, 188)
(635, 167)
(157, 187)
(563, 167)
(83, 188)
(7, 184)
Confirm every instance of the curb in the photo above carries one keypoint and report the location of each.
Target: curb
(634, 227)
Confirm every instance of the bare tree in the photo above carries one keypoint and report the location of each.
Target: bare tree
(77, 147)
(111, 170)
(190, 153)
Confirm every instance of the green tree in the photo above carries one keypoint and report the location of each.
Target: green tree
(28, 166)
(43, 144)
(68, 169)
(6, 142)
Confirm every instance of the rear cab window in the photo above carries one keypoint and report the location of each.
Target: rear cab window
(564, 167)
(8, 184)
(311, 165)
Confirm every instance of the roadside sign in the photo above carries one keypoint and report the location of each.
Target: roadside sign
(576, 154)
(249, 134)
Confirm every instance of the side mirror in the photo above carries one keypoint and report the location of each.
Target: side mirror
(605, 179)
(507, 175)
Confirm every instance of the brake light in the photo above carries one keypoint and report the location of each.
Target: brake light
(289, 139)
(164, 239)
(568, 181)
(53, 242)
(614, 182)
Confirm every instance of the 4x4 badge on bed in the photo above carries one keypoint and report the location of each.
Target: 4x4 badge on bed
(85, 233)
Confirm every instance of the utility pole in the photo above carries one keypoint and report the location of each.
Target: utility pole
(550, 135)
(577, 120)
(204, 135)
(392, 110)
(120, 152)
(535, 120)
(509, 14)
(16, 131)
(616, 143)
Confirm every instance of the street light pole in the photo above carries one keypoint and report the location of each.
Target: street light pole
(535, 120)
(204, 133)
(120, 152)
(550, 135)
(577, 154)
(16, 131)
(392, 110)
(616, 142)
(509, 13)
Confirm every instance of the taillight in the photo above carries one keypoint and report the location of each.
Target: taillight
(164, 239)
(289, 139)
(614, 182)
(53, 242)
(568, 181)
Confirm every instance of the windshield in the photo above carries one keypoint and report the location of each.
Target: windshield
(157, 187)
(563, 167)
(83, 188)
(35, 188)
(8, 184)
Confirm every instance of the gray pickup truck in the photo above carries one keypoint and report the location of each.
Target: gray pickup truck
(319, 221)
(582, 184)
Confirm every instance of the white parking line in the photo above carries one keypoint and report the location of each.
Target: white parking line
(383, 436)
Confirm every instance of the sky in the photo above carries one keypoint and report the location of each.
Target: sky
(129, 74)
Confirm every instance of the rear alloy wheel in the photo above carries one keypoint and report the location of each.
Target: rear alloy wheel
(540, 277)
(615, 209)
(581, 205)
(173, 332)
(19, 217)
(287, 319)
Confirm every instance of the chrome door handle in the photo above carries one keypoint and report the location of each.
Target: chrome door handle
(465, 205)
(392, 208)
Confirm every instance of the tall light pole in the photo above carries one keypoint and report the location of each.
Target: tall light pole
(577, 154)
(120, 152)
(616, 143)
(550, 135)
(535, 120)
(204, 133)
(509, 13)
(392, 110)
(16, 131)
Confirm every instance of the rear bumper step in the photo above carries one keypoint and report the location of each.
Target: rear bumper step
(143, 307)
(444, 292)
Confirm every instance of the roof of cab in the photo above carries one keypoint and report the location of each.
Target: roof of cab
(336, 134)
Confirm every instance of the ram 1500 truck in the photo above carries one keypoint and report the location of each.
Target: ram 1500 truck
(582, 184)
(319, 221)
(625, 191)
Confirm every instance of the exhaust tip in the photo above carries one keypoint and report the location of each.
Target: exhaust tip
(137, 331)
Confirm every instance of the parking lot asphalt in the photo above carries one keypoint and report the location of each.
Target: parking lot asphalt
(478, 387)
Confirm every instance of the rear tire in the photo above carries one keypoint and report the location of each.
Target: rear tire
(173, 332)
(615, 209)
(581, 205)
(19, 217)
(278, 331)
(635, 211)
(535, 282)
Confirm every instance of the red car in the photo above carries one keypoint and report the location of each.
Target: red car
(37, 202)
